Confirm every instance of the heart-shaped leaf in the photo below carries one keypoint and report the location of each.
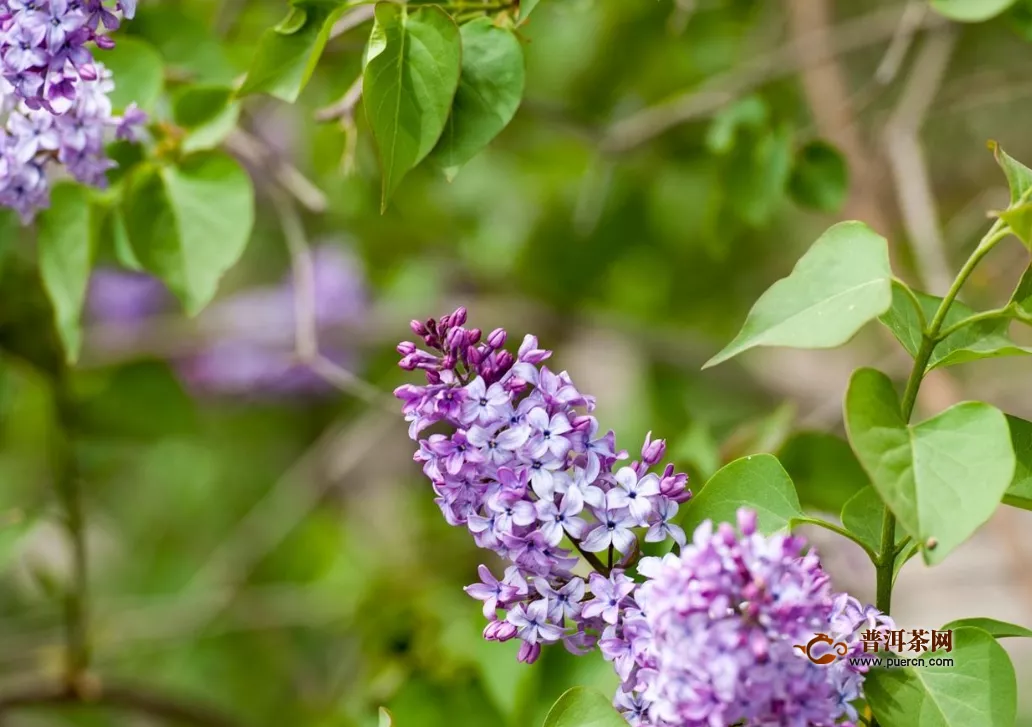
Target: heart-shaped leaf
(942, 478)
(863, 516)
(757, 482)
(1019, 493)
(840, 284)
(986, 338)
(992, 626)
(489, 93)
(66, 249)
(137, 71)
(971, 11)
(978, 689)
(581, 707)
(188, 224)
(411, 75)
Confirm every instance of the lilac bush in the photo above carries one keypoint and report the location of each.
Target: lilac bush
(54, 103)
(704, 638)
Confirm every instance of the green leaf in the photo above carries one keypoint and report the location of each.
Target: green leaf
(993, 627)
(757, 482)
(208, 113)
(820, 177)
(65, 258)
(581, 707)
(1019, 177)
(190, 223)
(841, 283)
(1019, 219)
(138, 71)
(385, 718)
(979, 689)
(971, 11)
(526, 8)
(758, 174)
(987, 338)
(942, 478)
(863, 514)
(287, 55)
(1019, 493)
(750, 112)
(1020, 306)
(489, 93)
(409, 82)
(824, 469)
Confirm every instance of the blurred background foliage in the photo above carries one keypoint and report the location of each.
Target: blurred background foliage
(281, 556)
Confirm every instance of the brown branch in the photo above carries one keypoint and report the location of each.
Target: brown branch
(172, 709)
(345, 106)
(257, 153)
(851, 35)
(830, 101)
(352, 19)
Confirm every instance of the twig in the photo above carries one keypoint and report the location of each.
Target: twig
(306, 327)
(831, 104)
(253, 150)
(125, 697)
(849, 36)
(907, 160)
(345, 106)
(352, 19)
(902, 40)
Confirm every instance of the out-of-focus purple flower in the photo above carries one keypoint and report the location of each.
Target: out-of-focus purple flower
(251, 333)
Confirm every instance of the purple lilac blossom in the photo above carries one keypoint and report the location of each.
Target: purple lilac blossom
(250, 335)
(708, 639)
(33, 139)
(43, 48)
(524, 469)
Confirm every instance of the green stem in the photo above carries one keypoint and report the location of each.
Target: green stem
(841, 531)
(983, 316)
(886, 563)
(76, 610)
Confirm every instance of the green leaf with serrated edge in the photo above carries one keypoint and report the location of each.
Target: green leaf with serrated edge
(208, 113)
(385, 718)
(820, 177)
(979, 688)
(824, 469)
(971, 11)
(580, 707)
(66, 249)
(138, 73)
(1019, 493)
(526, 8)
(189, 224)
(409, 83)
(841, 283)
(1019, 177)
(489, 93)
(982, 339)
(286, 56)
(942, 478)
(992, 626)
(1019, 220)
(863, 514)
(757, 482)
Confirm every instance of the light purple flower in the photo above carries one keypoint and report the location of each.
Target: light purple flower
(547, 439)
(633, 493)
(533, 624)
(609, 595)
(563, 603)
(491, 591)
(661, 525)
(556, 521)
(614, 529)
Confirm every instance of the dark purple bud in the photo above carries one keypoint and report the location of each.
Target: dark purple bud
(418, 328)
(104, 41)
(433, 377)
(473, 356)
(653, 450)
(473, 336)
(407, 348)
(410, 362)
(504, 361)
(455, 339)
(529, 653)
(496, 339)
(458, 318)
(449, 361)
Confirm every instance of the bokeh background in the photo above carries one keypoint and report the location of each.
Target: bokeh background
(260, 538)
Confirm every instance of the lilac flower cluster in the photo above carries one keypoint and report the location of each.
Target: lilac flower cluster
(246, 339)
(717, 635)
(524, 468)
(43, 47)
(54, 105)
(32, 139)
